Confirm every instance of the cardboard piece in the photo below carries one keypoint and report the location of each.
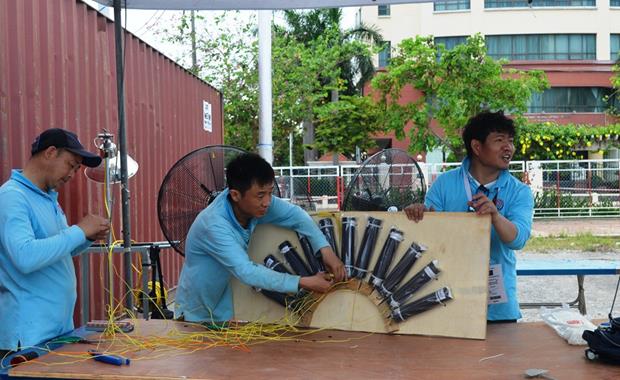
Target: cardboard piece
(459, 241)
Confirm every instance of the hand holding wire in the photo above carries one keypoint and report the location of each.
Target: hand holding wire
(482, 204)
(333, 263)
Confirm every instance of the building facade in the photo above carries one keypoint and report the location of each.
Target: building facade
(575, 42)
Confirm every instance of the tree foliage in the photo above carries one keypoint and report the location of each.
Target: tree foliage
(346, 124)
(614, 108)
(455, 85)
(355, 64)
(550, 141)
(304, 73)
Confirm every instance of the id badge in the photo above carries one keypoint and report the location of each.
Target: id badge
(497, 292)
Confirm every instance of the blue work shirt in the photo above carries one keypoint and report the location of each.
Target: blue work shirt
(514, 201)
(216, 248)
(37, 276)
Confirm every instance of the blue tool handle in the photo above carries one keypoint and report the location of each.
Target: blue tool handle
(110, 359)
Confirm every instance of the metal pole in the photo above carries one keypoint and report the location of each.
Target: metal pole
(120, 94)
(290, 165)
(265, 139)
(109, 257)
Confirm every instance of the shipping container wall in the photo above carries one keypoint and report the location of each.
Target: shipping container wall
(57, 69)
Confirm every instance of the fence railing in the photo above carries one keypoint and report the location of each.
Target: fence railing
(579, 188)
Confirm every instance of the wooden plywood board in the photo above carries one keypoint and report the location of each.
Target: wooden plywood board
(460, 242)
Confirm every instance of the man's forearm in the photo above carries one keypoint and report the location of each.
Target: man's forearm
(506, 230)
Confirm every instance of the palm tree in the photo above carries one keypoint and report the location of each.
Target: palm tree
(356, 68)
(306, 26)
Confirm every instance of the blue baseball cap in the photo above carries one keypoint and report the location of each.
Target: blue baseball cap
(61, 138)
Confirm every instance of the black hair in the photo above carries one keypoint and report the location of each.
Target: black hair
(481, 125)
(246, 169)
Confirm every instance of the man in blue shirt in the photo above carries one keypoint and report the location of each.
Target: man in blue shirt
(37, 276)
(484, 185)
(217, 243)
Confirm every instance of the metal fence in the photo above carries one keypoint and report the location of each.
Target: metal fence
(580, 188)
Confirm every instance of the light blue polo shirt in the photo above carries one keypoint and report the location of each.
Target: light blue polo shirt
(37, 276)
(514, 201)
(216, 249)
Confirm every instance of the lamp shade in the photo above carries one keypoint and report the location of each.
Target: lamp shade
(114, 169)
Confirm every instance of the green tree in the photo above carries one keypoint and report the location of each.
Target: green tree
(356, 67)
(455, 85)
(550, 141)
(614, 99)
(303, 73)
(346, 124)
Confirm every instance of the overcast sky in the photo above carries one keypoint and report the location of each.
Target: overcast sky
(145, 23)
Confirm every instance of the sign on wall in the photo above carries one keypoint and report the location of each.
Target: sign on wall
(207, 121)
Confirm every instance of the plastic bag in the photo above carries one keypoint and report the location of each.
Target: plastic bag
(568, 323)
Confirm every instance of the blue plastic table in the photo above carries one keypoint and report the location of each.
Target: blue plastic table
(566, 267)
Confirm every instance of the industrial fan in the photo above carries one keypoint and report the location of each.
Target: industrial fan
(189, 187)
(388, 180)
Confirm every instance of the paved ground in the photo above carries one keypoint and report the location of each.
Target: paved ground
(572, 226)
(599, 289)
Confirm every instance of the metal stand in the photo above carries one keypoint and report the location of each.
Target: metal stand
(145, 251)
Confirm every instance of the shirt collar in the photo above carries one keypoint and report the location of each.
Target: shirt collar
(500, 182)
(231, 213)
(18, 176)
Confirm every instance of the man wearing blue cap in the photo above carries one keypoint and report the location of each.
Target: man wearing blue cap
(37, 276)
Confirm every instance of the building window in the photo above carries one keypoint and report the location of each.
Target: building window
(614, 3)
(546, 47)
(383, 10)
(451, 5)
(539, 3)
(450, 42)
(572, 99)
(615, 47)
(385, 54)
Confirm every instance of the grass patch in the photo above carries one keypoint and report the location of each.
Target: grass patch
(581, 242)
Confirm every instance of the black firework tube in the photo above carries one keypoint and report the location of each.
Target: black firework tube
(293, 259)
(327, 227)
(414, 284)
(282, 298)
(401, 269)
(349, 225)
(273, 263)
(313, 259)
(385, 257)
(367, 247)
(421, 305)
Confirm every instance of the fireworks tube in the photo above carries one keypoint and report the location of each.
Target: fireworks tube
(367, 247)
(283, 299)
(293, 259)
(274, 264)
(385, 257)
(349, 225)
(327, 227)
(401, 269)
(421, 305)
(313, 259)
(414, 284)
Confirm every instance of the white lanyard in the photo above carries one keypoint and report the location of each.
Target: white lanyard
(467, 186)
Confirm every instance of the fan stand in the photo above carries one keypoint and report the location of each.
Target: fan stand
(157, 280)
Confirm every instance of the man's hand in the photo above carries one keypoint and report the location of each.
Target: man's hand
(483, 205)
(415, 211)
(320, 282)
(95, 227)
(506, 230)
(333, 263)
